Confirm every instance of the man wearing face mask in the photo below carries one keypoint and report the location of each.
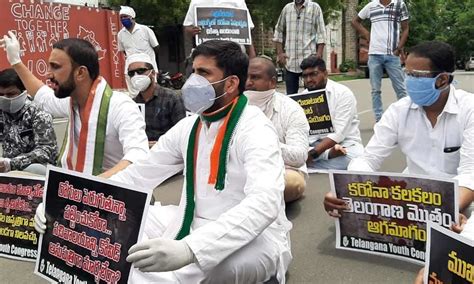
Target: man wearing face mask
(288, 118)
(230, 225)
(106, 130)
(301, 25)
(163, 107)
(433, 126)
(27, 134)
(333, 150)
(136, 38)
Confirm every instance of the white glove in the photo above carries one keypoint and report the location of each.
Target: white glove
(40, 219)
(12, 47)
(158, 255)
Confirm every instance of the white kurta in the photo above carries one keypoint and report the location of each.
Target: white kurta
(125, 137)
(250, 209)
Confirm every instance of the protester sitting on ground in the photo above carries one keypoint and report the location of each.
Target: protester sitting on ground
(289, 120)
(433, 126)
(230, 225)
(163, 107)
(27, 134)
(94, 143)
(332, 150)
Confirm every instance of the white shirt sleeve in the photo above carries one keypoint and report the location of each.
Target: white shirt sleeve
(295, 148)
(465, 170)
(120, 43)
(152, 40)
(365, 12)
(381, 145)
(164, 160)
(280, 27)
(130, 126)
(468, 230)
(190, 18)
(264, 171)
(343, 114)
(50, 103)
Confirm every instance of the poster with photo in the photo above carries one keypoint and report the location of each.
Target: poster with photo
(388, 212)
(91, 225)
(19, 198)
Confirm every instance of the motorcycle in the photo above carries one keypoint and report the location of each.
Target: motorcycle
(175, 81)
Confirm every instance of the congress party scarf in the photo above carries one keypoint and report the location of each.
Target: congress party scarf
(89, 152)
(218, 159)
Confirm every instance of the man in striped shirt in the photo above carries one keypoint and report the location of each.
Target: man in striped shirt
(385, 45)
(301, 23)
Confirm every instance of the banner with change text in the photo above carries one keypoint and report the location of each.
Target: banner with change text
(388, 212)
(316, 108)
(449, 257)
(223, 23)
(91, 225)
(19, 198)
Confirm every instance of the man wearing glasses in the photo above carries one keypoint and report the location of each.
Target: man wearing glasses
(433, 126)
(163, 106)
(332, 150)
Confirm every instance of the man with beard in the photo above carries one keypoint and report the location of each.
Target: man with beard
(230, 225)
(106, 130)
(288, 118)
(333, 150)
(299, 33)
(29, 141)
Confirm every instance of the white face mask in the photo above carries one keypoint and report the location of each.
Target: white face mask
(198, 93)
(13, 105)
(259, 98)
(140, 82)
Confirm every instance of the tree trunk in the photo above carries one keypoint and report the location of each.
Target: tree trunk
(350, 39)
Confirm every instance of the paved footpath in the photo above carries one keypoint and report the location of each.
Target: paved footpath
(313, 235)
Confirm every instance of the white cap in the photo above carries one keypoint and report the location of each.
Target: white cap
(138, 57)
(125, 10)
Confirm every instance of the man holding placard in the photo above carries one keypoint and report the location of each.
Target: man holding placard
(288, 118)
(213, 23)
(433, 126)
(340, 141)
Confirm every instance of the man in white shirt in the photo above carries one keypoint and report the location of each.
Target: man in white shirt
(434, 126)
(230, 225)
(136, 38)
(385, 45)
(192, 30)
(94, 144)
(333, 150)
(288, 118)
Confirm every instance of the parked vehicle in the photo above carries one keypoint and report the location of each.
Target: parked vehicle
(175, 81)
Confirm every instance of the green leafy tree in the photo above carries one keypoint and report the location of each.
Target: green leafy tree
(444, 20)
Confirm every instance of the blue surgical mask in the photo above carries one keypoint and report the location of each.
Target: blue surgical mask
(198, 94)
(422, 91)
(126, 22)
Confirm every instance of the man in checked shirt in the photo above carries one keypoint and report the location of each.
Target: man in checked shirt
(301, 23)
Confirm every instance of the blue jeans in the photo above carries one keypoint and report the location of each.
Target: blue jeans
(292, 81)
(376, 63)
